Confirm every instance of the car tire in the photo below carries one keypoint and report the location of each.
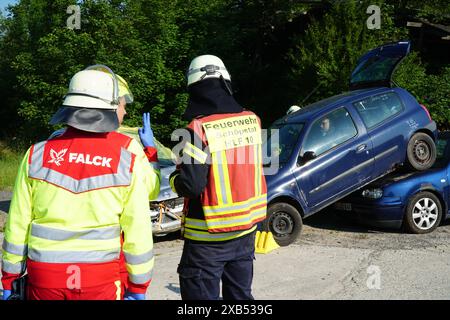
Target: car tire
(423, 213)
(285, 223)
(421, 152)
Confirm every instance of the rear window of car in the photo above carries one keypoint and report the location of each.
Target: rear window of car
(376, 109)
(374, 69)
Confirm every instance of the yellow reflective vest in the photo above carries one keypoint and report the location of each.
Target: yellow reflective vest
(73, 196)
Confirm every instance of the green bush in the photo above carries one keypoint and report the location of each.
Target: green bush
(430, 90)
(9, 164)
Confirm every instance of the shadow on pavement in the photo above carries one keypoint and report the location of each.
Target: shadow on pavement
(169, 237)
(174, 287)
(338, 221)
(4, 205)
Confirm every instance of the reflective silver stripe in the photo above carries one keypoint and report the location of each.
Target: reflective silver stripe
(257, 169)
(205, 236)
(13, 267)
(141, 278)
(195, 153)
(237, 207)
(107, 233)
(38, 171)
(195, 223)
(223, 190)
(73, 256)
(212, 223)
(249, 218)
(19, 250)
(138, 258)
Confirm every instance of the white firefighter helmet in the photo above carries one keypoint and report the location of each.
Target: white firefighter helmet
(92, 100)
(293, 109)
(93, 88)
(204, 67)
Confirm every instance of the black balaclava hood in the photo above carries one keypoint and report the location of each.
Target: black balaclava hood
(210, 96)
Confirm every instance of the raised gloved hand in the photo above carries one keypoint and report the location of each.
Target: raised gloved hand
(6, 294)
(133, 296)
(146, 133)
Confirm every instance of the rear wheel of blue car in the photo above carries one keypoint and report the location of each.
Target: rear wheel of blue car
(284, 221)
(423, 213)
(421, 152)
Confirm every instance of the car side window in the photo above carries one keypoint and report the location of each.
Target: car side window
(376, 109)
(329, 131)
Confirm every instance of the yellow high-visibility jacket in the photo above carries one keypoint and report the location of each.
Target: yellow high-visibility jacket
(73, 196)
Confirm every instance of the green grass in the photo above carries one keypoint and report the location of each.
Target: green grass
(9, 164)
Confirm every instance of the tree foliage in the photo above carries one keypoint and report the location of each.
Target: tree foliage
(277, 52)
(324, 57)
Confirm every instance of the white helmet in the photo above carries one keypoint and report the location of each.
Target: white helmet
(204, 67)
(96, 87)
(92, 100)
(293, 109)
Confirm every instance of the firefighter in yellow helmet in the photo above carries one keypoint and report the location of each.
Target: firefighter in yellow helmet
(75, 193)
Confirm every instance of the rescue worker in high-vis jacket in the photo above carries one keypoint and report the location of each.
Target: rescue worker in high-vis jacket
(222, 181)
(74, 195)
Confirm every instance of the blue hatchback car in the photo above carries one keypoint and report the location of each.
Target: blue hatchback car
(333, 147)
(418, 202)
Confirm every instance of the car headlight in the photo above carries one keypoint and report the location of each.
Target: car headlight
(373, 193)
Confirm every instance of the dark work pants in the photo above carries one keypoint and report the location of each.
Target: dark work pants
(204, 265)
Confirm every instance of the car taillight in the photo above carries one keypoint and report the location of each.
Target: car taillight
(426, 110)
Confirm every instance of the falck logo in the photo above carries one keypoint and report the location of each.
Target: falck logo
(57, 157)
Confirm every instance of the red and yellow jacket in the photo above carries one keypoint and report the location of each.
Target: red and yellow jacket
(74, 195)
(221, 177)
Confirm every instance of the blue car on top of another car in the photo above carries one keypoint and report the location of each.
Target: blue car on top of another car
(418, 202)
(333, 147)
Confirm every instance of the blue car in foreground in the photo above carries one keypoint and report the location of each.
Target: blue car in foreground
(418, 202)
(333, 147)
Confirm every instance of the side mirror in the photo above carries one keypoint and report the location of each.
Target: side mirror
(307, 156)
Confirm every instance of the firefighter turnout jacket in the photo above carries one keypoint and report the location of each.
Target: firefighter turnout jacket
(221, 177)
(73, 196)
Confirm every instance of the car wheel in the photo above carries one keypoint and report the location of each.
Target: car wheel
(421, 152)
(423, 213)
(285, 223)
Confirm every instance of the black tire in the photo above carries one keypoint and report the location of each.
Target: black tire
(285, 223)
(421, 152)
(423, 213)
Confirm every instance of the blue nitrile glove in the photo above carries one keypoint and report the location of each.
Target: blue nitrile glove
(6, 294)
(146, 133)
(134, 296)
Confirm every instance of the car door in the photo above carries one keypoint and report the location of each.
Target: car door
(443, 148)
(380, 114)
(340, 156)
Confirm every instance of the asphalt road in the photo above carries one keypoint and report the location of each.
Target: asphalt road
(336, 259)
(333, 259)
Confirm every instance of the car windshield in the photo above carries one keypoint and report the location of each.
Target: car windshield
(441, 158)
(282, 146)
(376, 68)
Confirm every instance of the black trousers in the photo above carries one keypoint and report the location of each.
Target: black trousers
(204, 264)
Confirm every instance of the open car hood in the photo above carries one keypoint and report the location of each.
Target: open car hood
(376, 67)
